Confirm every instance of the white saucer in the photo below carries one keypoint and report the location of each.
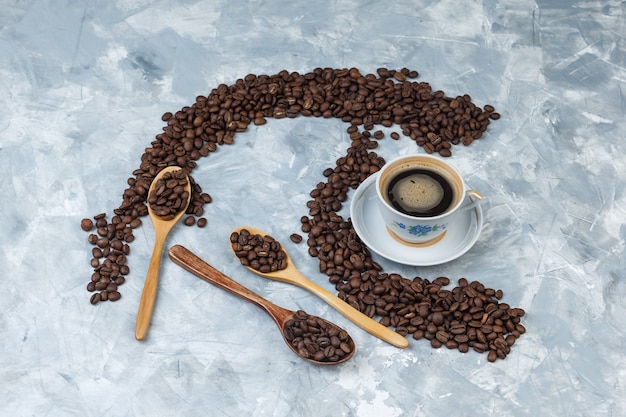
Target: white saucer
(368, 224)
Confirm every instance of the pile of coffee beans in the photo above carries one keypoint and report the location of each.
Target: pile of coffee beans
(434, 121)
(109, 252)
(169, 197)
(262, 253)
(317, 339)
(464, 317)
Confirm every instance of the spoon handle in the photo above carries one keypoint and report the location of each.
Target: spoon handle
(184, 258)
(148, 295)
(355, 316)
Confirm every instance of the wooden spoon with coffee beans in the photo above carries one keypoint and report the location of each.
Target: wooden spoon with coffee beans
(319, 352)
(292, 275)
(165, 211)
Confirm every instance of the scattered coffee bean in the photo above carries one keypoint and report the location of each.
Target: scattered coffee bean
(95, 298)
(262, 253)
(317, 339)
(86, 225)
(202, 222)
(295, 238)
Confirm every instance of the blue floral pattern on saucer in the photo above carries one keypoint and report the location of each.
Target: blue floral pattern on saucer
(421, 230)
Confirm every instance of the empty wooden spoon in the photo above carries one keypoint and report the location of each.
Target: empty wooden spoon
(163, 224)
(321, 352)
(292, 275)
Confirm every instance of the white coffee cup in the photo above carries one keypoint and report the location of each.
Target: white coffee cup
(428, 194)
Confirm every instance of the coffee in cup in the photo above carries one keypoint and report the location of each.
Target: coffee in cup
(419, 192)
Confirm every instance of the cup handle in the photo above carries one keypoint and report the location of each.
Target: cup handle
(473, 201)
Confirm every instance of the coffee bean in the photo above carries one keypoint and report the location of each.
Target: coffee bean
(442, 336)
(95, 298)
(437, 318)
(295, 238)
(86, 224)
(479, 347)
(114, 296)
(399, 76)
(103, 242)
(436, 343)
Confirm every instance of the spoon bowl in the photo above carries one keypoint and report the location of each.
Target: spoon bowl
(281, 316)
(162, 227)
(292, 275)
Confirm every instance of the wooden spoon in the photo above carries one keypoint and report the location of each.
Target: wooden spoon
(292, 275)
(281, 316)
(162, 228)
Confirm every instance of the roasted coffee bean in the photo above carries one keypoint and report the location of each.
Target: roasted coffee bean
(479, 347)
(442, 336)
(429, 147)
(437, 318)
(86, 224)
(114, 296)
(436, 343)
(95, 298)
(103, 242)
(295, 238)
(202, 222)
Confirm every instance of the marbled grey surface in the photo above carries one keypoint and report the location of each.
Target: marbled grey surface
(82, 88)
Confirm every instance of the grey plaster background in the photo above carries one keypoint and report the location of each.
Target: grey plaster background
(83, 85)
